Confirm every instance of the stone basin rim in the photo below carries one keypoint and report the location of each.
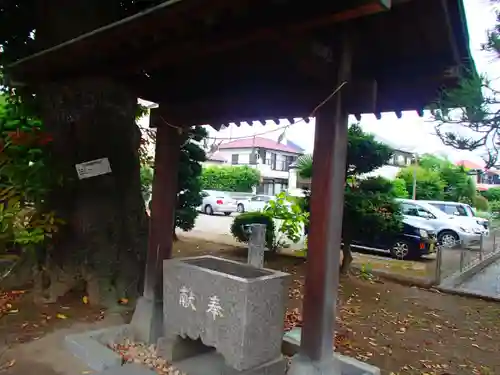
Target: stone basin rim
(271, 274)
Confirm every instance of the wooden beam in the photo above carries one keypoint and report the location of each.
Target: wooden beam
(190, 52)
(324, 240)
(164, 202)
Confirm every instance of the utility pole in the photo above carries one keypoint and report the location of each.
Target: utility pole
(415, 165)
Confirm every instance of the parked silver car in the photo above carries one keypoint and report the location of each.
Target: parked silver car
(451, 230)
(459, 209)
(217, 201)
(254, 203)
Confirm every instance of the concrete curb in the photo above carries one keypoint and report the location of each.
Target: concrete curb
(348, 365)
(91, 347)
(465, 293)
(460, 277)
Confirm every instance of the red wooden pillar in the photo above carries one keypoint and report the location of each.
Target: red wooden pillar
(147, 321)
(324, 240)
(164, 200)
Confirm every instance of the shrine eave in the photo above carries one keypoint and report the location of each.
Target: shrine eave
(224, 61)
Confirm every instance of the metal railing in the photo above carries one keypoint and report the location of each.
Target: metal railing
(457, 258)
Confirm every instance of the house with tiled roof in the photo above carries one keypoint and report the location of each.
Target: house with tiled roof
(271, 158)
(485, 178)
(215, 159)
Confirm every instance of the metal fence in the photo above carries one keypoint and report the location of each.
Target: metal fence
(457, 258)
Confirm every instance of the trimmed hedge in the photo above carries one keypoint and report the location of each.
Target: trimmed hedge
(247, 218)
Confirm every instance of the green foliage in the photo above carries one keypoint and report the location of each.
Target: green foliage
(369, 209)
(189, 185)
(369, 206)
(439, 179)
(25, 178)
(492, 194)
(230, 178)
(467, 116)
(240, 223)
(429, 183)
(364, 154)
(292, 218)
(480, 203)
(146, 181)
(304, 166)
(399, 188)
(495, 208)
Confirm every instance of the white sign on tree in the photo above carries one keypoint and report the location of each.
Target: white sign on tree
(93, 168)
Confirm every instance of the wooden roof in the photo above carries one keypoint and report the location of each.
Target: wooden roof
(223, 61)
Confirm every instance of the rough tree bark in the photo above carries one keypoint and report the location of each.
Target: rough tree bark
(346, 258)
(104, 240)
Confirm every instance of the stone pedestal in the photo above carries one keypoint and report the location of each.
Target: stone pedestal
(235, 308)
(257, 245)
(147, 321)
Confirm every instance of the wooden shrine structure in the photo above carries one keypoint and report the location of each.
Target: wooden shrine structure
(221, 61)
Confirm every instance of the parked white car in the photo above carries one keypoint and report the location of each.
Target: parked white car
(255, 203)
(217, 201)
(451, 230)
(459, 209)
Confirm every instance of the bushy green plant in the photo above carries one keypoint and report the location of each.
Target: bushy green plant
(481, 203)
(399, 188)
(25, 178)
(239, 227)
(230, 178)
(429, 182)
(291, 216)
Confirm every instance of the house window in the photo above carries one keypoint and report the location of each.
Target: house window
(234, 159)
(273, 161)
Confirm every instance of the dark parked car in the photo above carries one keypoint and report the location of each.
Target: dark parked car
(415, 240)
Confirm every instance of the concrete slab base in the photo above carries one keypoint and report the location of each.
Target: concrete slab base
(212, 363)
(337, 365)
(147, 320)
(91, 347)
(128, 369)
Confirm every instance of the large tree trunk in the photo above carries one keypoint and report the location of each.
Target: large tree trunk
(346, 258)
(104, 239)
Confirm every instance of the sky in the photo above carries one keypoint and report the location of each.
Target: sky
(411, 132)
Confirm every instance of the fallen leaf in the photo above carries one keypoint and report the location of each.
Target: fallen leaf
(85, 299)
(61, 316)
(123, 301)
(15, 311)
(8, 365)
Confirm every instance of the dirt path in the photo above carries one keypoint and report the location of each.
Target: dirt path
(402, 330)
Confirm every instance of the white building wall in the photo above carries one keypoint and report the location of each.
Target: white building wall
(264, 169)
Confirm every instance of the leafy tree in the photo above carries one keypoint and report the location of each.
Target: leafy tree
(429, 183)
(438, 178)
(104, 240)
(492, 194)
(189, 196)
(399, 188)
(146, 181)
(369, 205)
(458, 185)
(189, 184)
(467, 116)
(481, 203)
(230, 178)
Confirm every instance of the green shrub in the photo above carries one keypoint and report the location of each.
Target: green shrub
(239, 232)
(481, 203)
